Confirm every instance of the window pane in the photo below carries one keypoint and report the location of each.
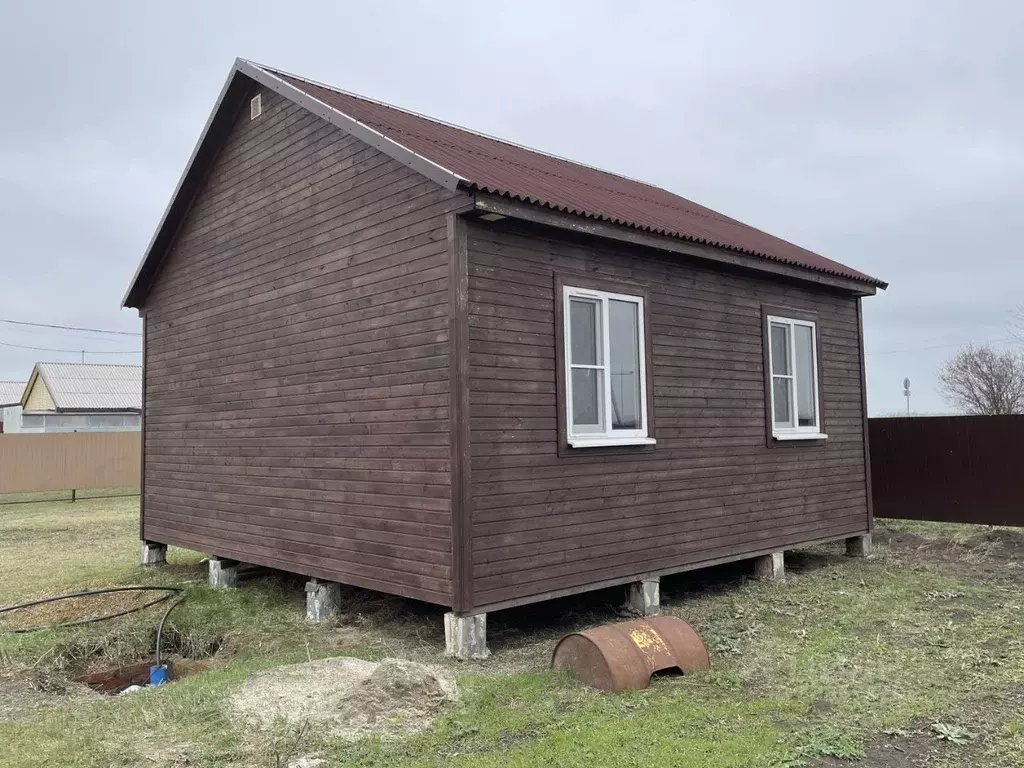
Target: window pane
(624, 361)
(587, 395)
(781, 402)
(806, 408)
(585, 337)
(780, 348)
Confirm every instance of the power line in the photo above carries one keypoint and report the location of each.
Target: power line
(75, 336)
(69, 351)
(69, 328)
(942, 346)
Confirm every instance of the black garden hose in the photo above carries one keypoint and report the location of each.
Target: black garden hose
(88, 593)
(160, 626)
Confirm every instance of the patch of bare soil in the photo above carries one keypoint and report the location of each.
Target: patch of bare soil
(1000, 542)
(897, 539)
(22, 696)
(349, 697)
(910, 750)
(992, 554)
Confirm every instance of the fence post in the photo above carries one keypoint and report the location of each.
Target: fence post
(72, 495)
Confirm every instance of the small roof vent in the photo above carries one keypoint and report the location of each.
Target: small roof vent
(256, 106)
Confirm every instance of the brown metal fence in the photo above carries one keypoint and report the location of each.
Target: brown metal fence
(964, 469)
(62, 462)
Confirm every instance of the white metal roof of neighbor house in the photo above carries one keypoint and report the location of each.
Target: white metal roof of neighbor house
(91, 387)
(10, 393)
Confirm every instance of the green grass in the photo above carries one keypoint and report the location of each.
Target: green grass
(823, 666)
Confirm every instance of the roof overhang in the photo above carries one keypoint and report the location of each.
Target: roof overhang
(501, 206)
(245, 76)
(241, 81)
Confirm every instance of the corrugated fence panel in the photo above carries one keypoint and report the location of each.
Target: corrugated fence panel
(962, 469)
(30, 463)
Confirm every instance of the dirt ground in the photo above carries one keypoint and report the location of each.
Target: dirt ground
(918, 747)
(976, 551)
(911, 658)
(24, 695)
(346, 697)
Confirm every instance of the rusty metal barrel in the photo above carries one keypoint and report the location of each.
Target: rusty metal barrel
(623, 656)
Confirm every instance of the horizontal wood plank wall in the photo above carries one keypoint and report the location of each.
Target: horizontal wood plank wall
(297, 363)
(710, 490)
(69, 461)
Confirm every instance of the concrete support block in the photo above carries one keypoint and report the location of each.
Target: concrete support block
(223, 573)
(770, 567)
(154, 554)
(465, 637)
(858, 546)
(323, 600)
(643, 598)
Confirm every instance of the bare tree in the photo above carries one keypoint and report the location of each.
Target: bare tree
(1017, 323)
(984, 381)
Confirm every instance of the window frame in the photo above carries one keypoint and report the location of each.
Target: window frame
(792, 318)
(630, 440)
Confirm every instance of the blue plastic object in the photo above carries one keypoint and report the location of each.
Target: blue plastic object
(159, 675)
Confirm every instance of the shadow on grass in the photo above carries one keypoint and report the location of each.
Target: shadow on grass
(806, 561)
(403, 620)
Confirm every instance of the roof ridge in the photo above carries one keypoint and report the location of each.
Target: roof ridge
(458, 127)
(104, 365)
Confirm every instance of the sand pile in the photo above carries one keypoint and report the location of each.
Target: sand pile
(347, 697)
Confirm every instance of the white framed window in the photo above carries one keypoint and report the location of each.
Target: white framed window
(605, 368)
(793, 391)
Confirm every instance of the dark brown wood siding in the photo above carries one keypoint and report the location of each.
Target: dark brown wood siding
(298, 363)
(712, 489)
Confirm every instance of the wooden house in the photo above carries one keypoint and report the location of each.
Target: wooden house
(387, 351)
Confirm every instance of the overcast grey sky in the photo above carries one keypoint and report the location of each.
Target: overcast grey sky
(888, 136)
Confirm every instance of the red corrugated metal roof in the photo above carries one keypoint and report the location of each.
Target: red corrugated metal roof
(507, 169)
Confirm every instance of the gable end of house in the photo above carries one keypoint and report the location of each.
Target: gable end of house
(243, 83)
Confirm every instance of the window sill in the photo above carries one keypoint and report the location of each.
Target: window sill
(800, 436)
(604, 442)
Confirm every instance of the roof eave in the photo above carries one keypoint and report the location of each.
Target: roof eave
(541, 213)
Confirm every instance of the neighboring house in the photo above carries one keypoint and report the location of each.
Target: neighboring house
(10, 405)
(82, 397)
(386, 351)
